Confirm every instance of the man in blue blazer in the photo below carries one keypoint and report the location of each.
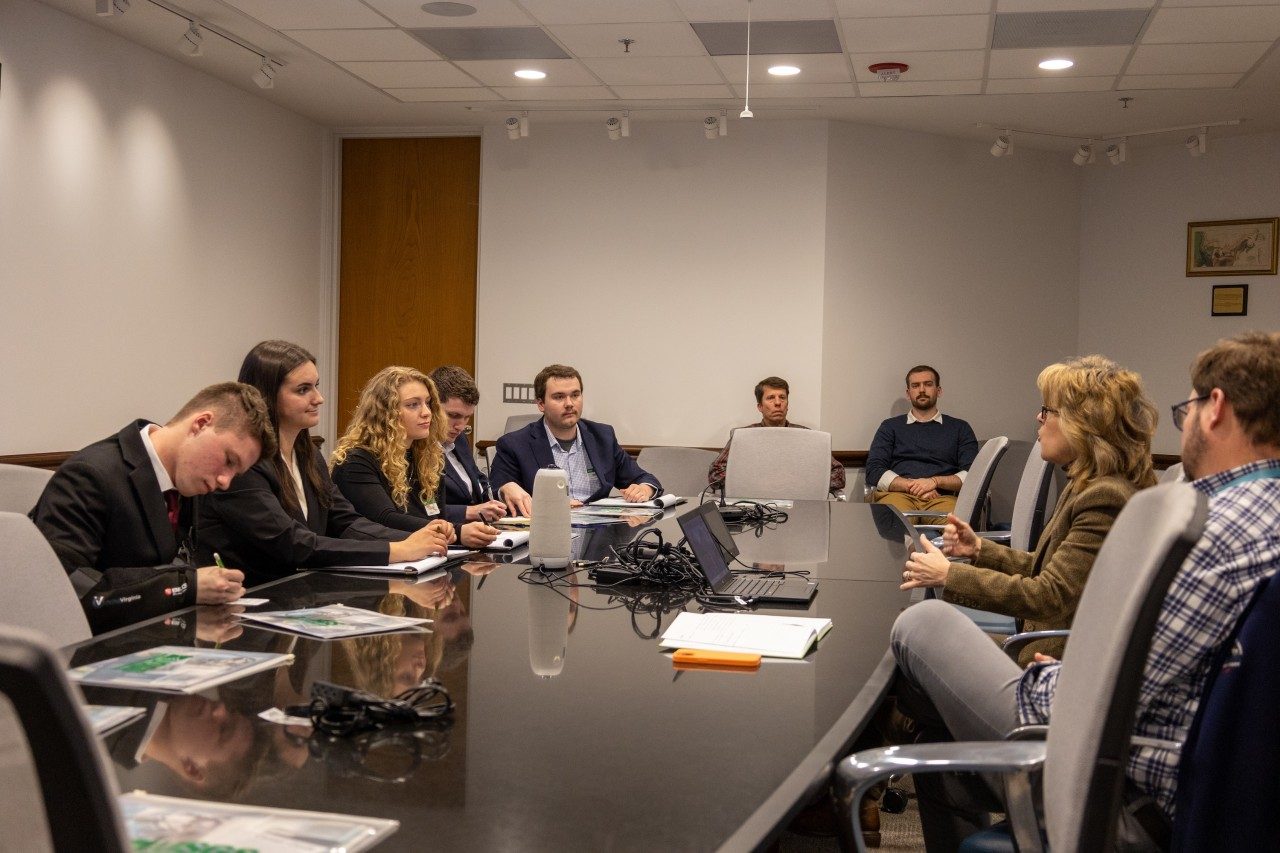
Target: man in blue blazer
(467, 496)
(587, 451)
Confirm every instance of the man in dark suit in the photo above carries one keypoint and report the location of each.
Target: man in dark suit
(117, 512)
(467, 496)
(587, 451)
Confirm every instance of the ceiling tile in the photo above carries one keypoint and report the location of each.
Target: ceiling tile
(1168, 3)
(417, 96)
(310, 14)
(926, 65)
(657, 93)
(947, 32)
(814, 68)
(466, 43)
(1243, 23)
(352, 45)
(390, 75)
(1071, 5)
(551, 12)
(1078, 28)
(490, 13)
(904, 89)
(900, 8)
(729, 38)
(557, 93)
(761, 10)
(1089, 61)
(1042, 85)
(1179, 81)
(647, 70)
(650, 39)
(501, 72)
(798, 90)
(1195, 58)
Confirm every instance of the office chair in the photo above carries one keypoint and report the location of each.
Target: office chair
(515, 422)
(20, 487)
(1083, 757)
(779, 463)
(681, 470)
(66, 800)
(972, 498)
(39, 594)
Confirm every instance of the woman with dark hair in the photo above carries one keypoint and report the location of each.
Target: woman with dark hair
(285, 513)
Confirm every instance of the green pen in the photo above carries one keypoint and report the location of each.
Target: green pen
(217, 559)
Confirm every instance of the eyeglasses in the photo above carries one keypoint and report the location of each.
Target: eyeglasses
(1180, 410)
(1045, 411)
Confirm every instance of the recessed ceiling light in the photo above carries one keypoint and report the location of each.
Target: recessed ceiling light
(1056, 64)
(784, 70)
(530, 74)
(449, 10)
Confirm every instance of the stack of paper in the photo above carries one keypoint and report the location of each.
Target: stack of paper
(335, 621)
(771, 636)
(416, 567)
(508, 540)
(176, 669)
(660, 502)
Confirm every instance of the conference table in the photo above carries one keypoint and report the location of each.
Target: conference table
(572, 730)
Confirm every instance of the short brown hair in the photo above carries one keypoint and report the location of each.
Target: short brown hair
(556, 371)
(1247, 369)
(770, 382)
(922, 368)
(237, 407)
(454, 383)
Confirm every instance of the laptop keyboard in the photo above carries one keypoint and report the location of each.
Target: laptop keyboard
(755, 587)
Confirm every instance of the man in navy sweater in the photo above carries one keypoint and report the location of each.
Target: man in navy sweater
(919, 462)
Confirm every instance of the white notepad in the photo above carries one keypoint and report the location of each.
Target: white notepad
(756, 633)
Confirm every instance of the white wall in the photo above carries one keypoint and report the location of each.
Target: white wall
(939, 253)
(673, 271)
(1137, 304)
(154, 224)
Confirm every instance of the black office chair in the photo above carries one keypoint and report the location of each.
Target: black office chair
(77, 792)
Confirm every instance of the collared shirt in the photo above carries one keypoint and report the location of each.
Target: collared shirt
(887, 478)
(583, 482)
(291, 465)
(1239, 548)
(162, 476)
(455, 463)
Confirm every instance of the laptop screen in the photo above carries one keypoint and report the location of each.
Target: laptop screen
(705, 547)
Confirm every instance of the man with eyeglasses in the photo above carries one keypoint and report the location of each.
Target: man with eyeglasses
(467, 496)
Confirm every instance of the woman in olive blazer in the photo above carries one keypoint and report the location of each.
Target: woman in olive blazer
(1097, 423)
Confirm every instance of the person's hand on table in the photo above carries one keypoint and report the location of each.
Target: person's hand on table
(926, 568)
(518, 501)
(477, 534)
(218, 624)
(216, 585)
(958, 539)
(487, 511)
(430, 541)
(445, 528)
(576, 504)
(638, 493)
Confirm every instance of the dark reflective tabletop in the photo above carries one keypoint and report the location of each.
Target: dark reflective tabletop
(572, 730)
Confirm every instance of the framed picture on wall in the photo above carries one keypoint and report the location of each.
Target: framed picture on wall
(1232, 247)
(1230, 300)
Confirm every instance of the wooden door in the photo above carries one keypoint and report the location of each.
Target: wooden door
(407, 293)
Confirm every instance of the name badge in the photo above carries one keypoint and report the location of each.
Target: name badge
(433, 508)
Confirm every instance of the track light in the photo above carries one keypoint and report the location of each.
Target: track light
(1198, 144)
(1001, 147)
(108, 8)
(614, 127)
(265, 76)
(711, 127)
(512, 125)
(1084, 154)
(1116, 151)
(191, 41)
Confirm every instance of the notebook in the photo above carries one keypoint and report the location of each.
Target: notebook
(697, 525)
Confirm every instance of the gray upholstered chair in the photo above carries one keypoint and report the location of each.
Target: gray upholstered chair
(782, 464)
(67, 799)
(972, 498)
(515, 422)
(681, 470)
(1083, 757)
(39, 595)
(20, 487)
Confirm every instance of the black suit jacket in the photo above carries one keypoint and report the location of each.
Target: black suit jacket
(360, 479)
(458, 493)
(106, 518)
(249, 527)
(523, 452)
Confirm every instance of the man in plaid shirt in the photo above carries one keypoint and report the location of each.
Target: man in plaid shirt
(1231, 450)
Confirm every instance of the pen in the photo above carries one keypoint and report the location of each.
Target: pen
(217, 560)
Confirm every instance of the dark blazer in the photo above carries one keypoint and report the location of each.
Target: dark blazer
(249, 527)
(106, 518)
(360, 479)
(521, 453)
(460, 494)
(1043, 587)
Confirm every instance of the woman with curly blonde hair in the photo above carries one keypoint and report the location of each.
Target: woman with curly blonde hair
(389, 462)
(1097, 423)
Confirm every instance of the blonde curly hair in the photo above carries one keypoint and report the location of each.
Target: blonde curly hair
(376, 428)
(1105, 416)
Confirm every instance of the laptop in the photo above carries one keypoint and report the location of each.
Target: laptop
(698, 527)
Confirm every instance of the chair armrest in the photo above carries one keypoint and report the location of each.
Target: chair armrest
(861, 771)
(1031, 732)
(923, 513)
(1014, 644)
(1002, 536)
